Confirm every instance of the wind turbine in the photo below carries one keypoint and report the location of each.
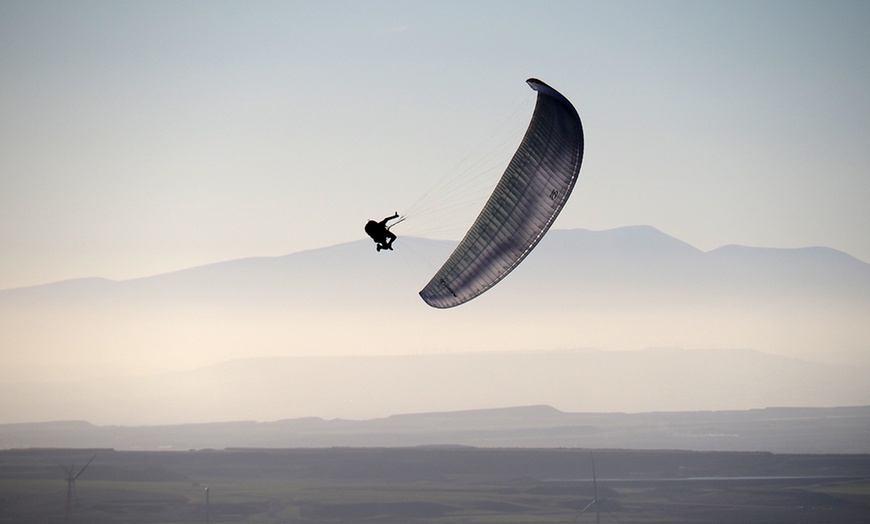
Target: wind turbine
(595, 502)
(71, 476)
(594, 495)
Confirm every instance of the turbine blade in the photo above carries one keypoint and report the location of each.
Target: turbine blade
(582, 511)
(84, 467)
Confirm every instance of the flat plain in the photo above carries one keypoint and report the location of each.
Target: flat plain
(449, 484)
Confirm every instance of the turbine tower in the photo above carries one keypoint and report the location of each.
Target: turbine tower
(71, 476)
(594, 502)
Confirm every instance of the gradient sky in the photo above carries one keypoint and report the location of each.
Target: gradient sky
(144, 137)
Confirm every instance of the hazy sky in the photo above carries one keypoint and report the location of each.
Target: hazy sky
(143, 137)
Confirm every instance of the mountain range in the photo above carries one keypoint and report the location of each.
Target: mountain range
(340, 332)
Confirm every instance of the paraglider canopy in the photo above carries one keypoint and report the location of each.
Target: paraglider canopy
(532, 191)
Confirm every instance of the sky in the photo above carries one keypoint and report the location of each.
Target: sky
(138, 138)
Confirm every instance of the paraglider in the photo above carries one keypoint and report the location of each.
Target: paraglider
(532, 191)
(380, 232)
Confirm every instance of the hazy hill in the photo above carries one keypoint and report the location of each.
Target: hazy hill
(778, 430)
(802, 311)
(634, 260)
(377, 386)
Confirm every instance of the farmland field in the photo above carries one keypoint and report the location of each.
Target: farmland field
(432, 485)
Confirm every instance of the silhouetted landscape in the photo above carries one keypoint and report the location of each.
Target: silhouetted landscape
(434, 484)
(317, 388)
(364, 387)
(781, 430)
(339, 332)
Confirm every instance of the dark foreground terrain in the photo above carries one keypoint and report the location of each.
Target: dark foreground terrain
(432, 485)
